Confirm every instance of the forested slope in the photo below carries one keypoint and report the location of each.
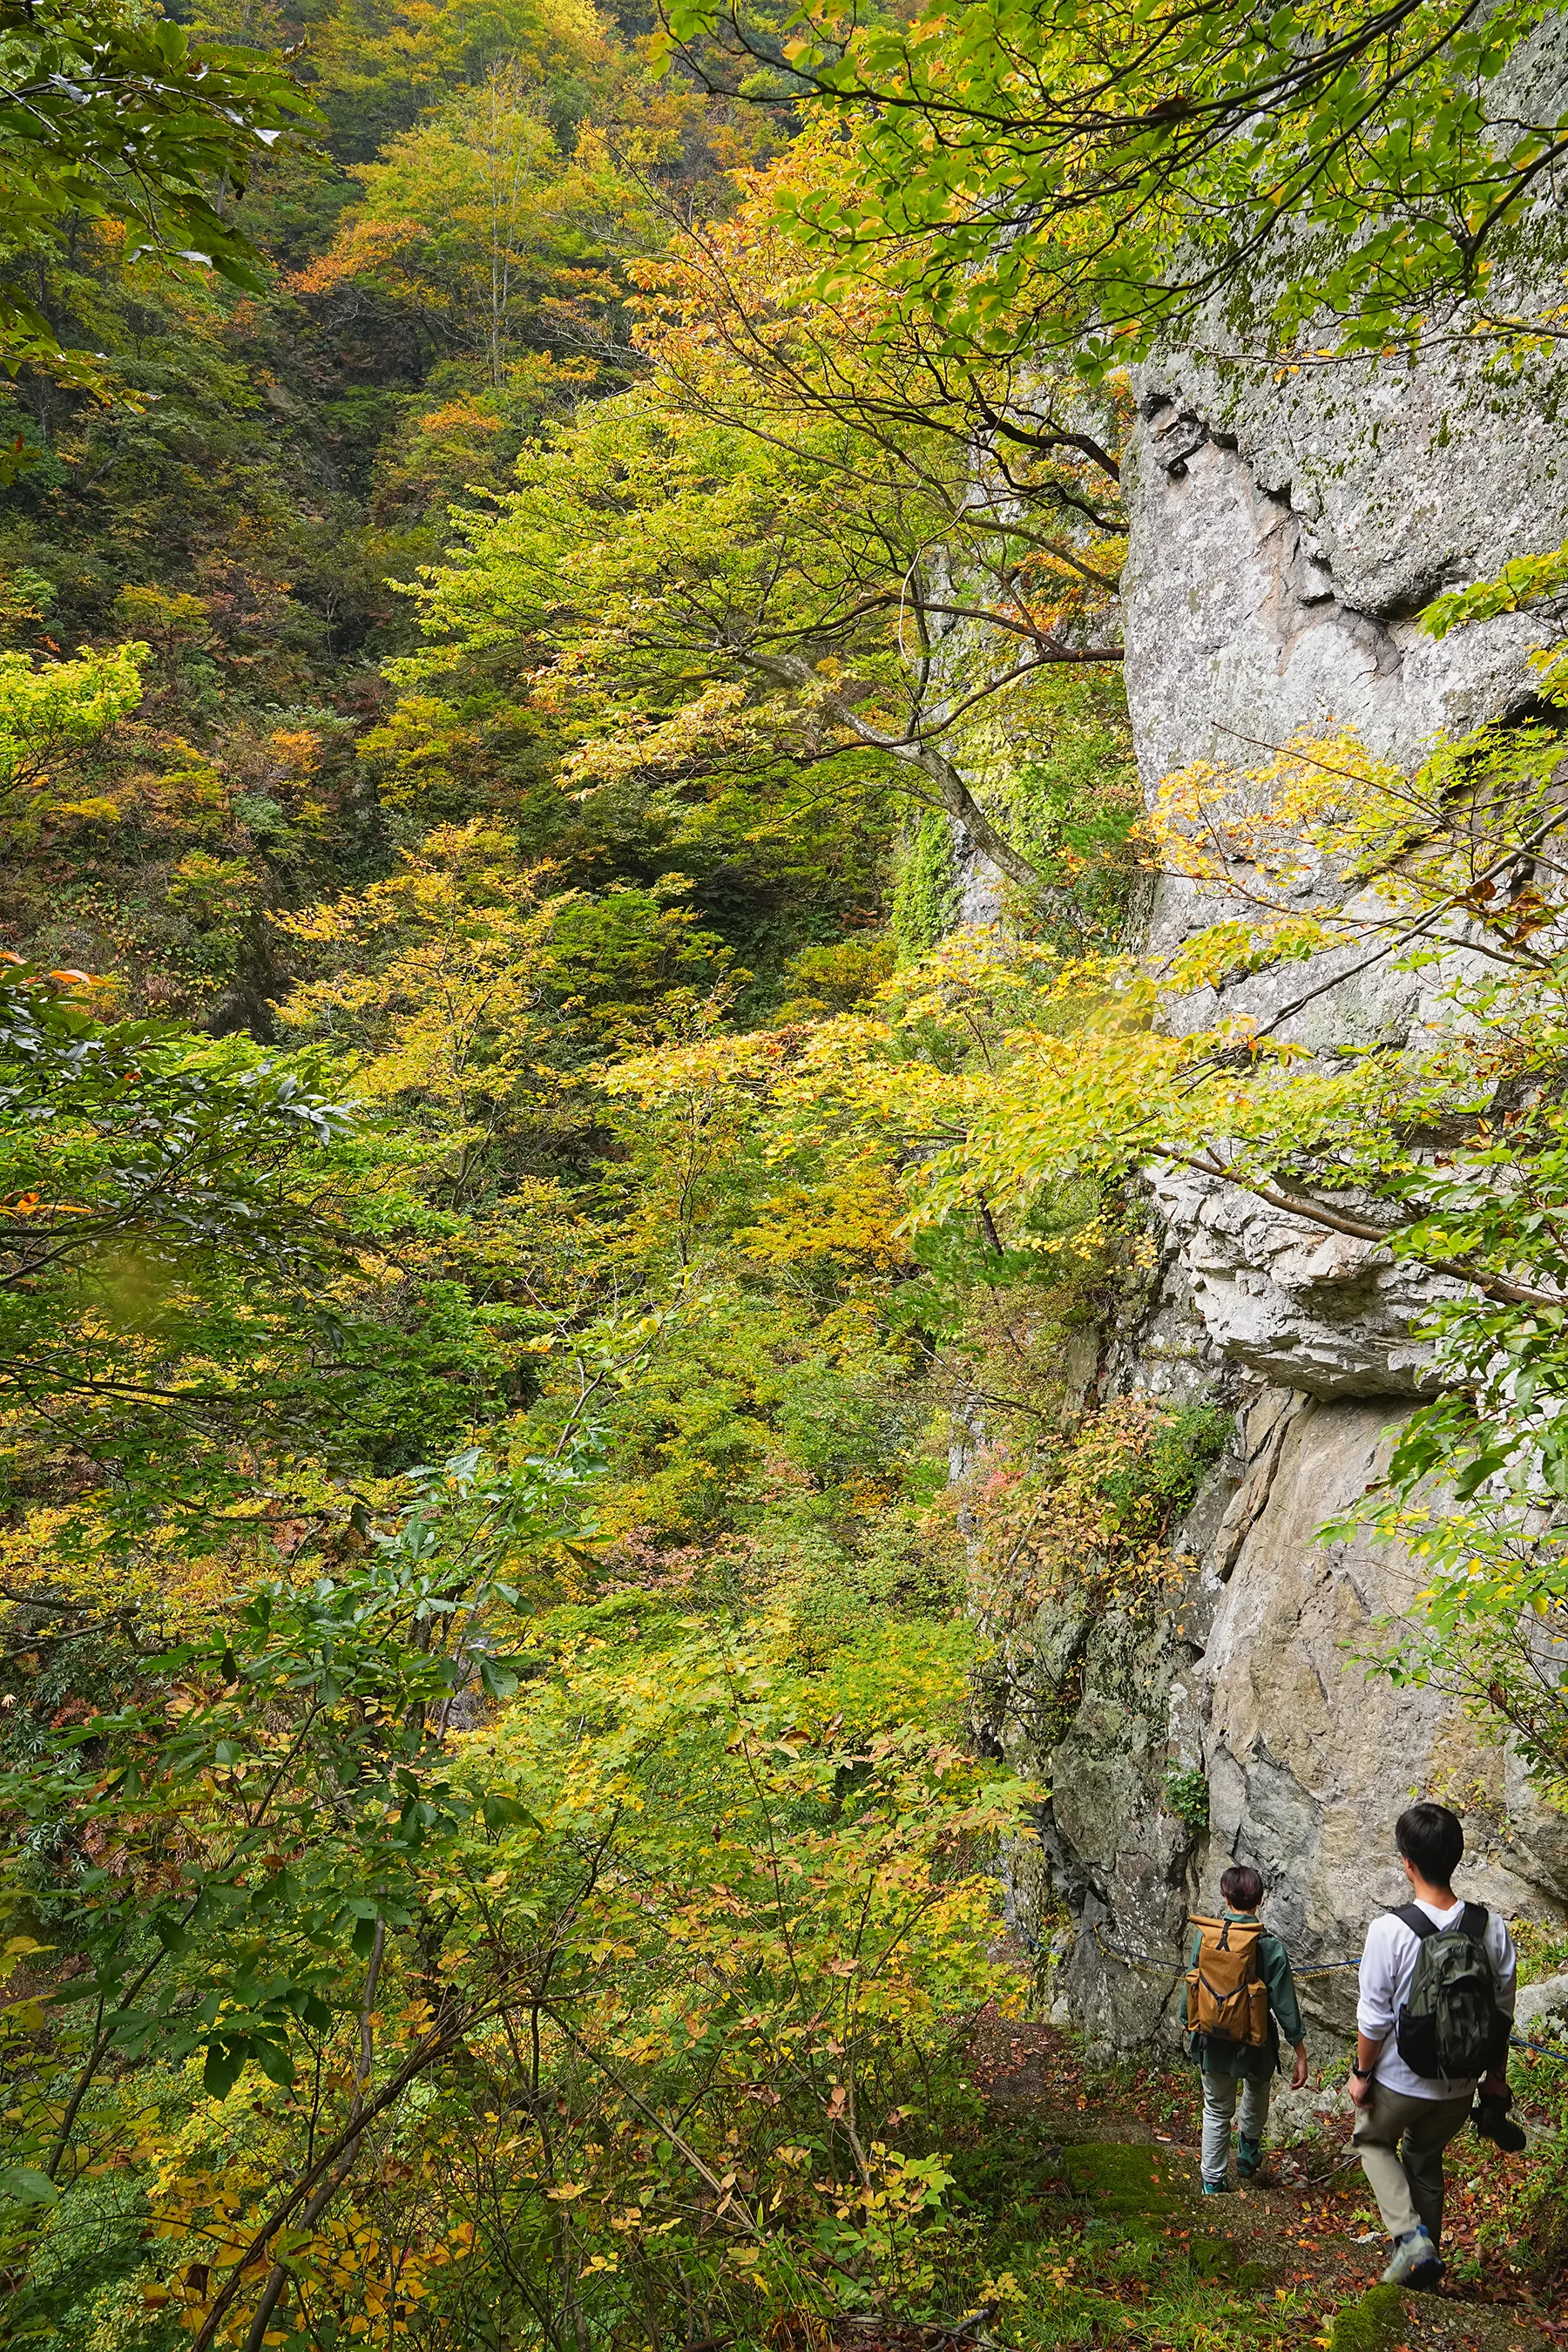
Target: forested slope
(575, 1069)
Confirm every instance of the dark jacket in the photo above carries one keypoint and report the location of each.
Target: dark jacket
(1284, 2013)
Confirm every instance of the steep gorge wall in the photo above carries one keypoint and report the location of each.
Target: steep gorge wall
(1285, 535)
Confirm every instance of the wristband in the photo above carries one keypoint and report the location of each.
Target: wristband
(1364, 2074)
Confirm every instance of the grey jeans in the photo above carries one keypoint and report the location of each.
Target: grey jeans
(1219, 2106)
(1400, 2142)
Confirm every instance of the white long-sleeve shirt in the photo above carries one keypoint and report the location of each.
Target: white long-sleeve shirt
(1387, 1965)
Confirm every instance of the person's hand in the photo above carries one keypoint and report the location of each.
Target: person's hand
(1299, 2072)
(1361, 2091)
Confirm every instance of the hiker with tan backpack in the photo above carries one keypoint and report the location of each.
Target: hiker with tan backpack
(1240, 1997)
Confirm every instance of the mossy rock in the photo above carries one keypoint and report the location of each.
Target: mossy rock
(1212, 2258)
(1371, 2323)
(1138, 2184)
(1216, 2258)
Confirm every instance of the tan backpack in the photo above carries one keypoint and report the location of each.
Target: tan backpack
(1226, 1998)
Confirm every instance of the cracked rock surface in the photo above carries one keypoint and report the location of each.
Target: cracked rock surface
(1316, 1310)
(1284, 537)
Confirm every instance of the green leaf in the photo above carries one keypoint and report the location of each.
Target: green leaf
(274, 2062)
(21, 2185)
(497, 1680)
(225, 2065)
(505, 1813)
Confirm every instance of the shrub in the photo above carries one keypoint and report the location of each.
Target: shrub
(1186, 1795)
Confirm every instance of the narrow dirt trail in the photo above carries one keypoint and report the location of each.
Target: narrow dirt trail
(1306, 2233)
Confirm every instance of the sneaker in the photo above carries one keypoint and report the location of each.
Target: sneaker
(1416, 2262)
(1249, 2158)
(1216, 2189)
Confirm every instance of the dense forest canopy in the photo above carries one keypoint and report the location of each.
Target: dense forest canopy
(539, 546)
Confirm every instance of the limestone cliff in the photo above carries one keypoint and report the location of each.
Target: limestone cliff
(1284, 537)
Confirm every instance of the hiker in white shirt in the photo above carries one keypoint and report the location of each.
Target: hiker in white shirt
(1407, 2117)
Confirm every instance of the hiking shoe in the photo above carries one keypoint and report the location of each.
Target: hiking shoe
(1216, 2189)
(1416, 2262)
(1249, 2158)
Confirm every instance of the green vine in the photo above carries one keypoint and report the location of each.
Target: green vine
(925, 889)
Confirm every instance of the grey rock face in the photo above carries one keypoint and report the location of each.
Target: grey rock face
(1309, 1761)
(1284, 538)
(1258, 1671)
(979, 883)
(1104, 1842)
(1542, 2014)
(1297, 2115)
(1314, 1310)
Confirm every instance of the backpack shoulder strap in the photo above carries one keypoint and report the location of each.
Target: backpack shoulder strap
(1415, 1919)
(1473, 1922)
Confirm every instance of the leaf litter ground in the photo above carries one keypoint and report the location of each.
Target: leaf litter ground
(1084, 2182)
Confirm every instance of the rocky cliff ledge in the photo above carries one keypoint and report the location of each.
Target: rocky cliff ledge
(1284, 538)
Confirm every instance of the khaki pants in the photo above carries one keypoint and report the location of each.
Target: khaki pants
(1407, 2179)
(1219, 2106)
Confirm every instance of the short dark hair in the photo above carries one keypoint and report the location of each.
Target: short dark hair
(1430, 1837)
(1241, 1886)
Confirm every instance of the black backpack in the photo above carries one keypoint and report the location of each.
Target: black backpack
(1450, 2025)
